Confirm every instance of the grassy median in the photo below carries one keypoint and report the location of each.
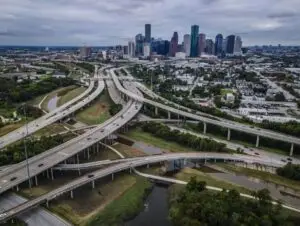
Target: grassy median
(98, 112)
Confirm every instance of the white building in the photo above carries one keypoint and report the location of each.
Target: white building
(238, 45)
(131, 49)
(146, 50)
(187, 44)
(230, 97)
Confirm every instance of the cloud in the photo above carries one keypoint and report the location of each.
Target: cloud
(110, 22)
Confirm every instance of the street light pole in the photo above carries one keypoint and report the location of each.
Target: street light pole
(25, 147)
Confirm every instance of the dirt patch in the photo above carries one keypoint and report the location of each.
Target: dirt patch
(98, 110)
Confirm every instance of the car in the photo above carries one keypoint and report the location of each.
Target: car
(290, 159)
(90, 175)
(88, 138)
(283, 160)
(256, 153)
(13, 178)
(40, 165)
(102, 130)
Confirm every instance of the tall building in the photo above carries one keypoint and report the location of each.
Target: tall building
(139, 44)
(187, 44)
(219, 45)
(238, 45)
(201, 43)
(209, 46)
(131, 49)
(230, 40)
(148, 33)
(174, 44)
(146, 49)
(85, 52)
(194, 41)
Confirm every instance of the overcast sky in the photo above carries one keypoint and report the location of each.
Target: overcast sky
(111, 22)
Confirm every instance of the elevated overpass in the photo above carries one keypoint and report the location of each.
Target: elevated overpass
(226, 124)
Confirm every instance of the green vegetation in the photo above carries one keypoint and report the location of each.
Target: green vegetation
(269, 177)
(86, 66)
(195, 206)
(125, 207)
(13, 92)
(31, 111)
(15, 153)
(290, 171)
(50, 130)
(186, 139)
(187, 173)
(115, 108)
(98, 112)
(140, 135)
(69, 95)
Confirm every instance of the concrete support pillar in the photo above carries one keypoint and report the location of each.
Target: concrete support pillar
(52, 177)
(204, 128)
(169, 115)
(215, 160)
(97, 148)
(47, 204)
(228, 134)
(148, 166)
(93, 184)
(257, 141)
(145, 108)
(112, 177)
(71, 194)
(156, 111)
(130, 170)
(88, 153)
(65, 162)
(84, 154)
(36, 181)
(17, 188)
(47, 172)
(292, 150)
(79, 173)
(184, 162)
(77, 157)
(205, 161)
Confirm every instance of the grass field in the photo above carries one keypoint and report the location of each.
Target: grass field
(225, 91)
(109, 202)
(139, 135)
(98, 112)
(53, 94)
(187, 173)
(128, 151)
(273, 178)
(49, 130)
(10, 127)
(123, 207)
(71, 94)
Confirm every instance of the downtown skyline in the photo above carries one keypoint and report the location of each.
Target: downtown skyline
(94, 23)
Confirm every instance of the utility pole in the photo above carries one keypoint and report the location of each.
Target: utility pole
(25, 147)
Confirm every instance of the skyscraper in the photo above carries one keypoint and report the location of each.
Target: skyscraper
(148, 33)
(187, 44)
(238, 45)
(218, 45)
(201, 43)
(139, 44)
(131, 49)
(146, 51)
(194, 41)
(174, 44)
(230, 40)
(209, 47)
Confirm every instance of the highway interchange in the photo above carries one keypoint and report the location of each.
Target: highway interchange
(17, 173)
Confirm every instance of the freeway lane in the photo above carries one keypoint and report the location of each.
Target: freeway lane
(43, 155)
(125, 166)
(48, 118)
(230, 125)
(17, 174)
(34, 217)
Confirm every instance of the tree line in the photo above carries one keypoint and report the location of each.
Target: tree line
(16, 153)
(196, 206)
(115, 108)
(13, 92)
(290, 171)
(186, 139)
